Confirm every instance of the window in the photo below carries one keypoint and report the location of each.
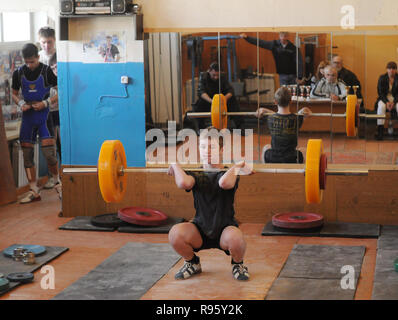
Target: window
(15, 26)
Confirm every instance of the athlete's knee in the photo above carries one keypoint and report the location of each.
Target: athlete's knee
(50, 155)
(28, 156)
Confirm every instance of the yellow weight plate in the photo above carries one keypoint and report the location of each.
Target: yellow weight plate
(313, 192)
(351, 115)
(110, 161)
(219, 118)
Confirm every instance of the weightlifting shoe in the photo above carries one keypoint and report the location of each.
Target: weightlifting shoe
(31, 196)
(188, 270)
(51, 182)
(240, 272)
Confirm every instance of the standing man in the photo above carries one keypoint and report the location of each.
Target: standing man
(47, 43)
(48, 52)
(35, 80)
(285, 55)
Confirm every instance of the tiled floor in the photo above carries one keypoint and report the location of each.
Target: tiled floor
(38, 223)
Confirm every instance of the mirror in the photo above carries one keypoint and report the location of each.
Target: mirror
(348, 58)
(380, 151)
(313, 50)
(174, 62)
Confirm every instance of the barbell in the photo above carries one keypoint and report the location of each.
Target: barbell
(219, 114)
(111, 169)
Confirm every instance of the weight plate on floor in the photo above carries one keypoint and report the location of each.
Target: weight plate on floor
(23, 277)
(142, 216)
(107, 220)
(4, 284)
(36, 249)
(297, 220)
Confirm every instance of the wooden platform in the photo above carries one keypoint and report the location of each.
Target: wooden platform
(38, 223)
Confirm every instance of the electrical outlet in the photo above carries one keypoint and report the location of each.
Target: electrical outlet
(124, 79)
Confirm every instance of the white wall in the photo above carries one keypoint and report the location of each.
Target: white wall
(178, 15)
(173, 15)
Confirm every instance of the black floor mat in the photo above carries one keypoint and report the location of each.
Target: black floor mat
(385, 284)
(314, 272)
(126, 275)
(83, 223)
(330, 229)
(8, 265)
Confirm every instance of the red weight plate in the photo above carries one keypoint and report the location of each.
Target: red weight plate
(297, 220)
(142, 216)
(323, 164)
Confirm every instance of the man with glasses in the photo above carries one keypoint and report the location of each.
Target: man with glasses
(329, 87)
(348, 77)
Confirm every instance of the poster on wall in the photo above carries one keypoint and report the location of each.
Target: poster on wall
(104, 46)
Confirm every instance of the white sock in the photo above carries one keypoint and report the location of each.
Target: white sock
(34, 187)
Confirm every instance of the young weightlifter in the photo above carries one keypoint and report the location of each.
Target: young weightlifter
(214, 225)
(35, 81)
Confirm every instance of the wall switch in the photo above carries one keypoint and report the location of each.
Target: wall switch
(124, 79)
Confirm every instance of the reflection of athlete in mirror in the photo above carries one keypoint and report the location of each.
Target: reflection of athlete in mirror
(110, 52)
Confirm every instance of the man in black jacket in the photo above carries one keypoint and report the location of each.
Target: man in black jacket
(348, 77)
(387, 89)
(285, 55)
(213, 82)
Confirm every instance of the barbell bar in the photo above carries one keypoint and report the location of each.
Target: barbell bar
(254, 114)
(111, 169)
(219, 114)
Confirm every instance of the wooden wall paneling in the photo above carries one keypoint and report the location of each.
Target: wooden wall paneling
(362, 199)
(8, 191)
(260, 196)
(82, 196)
(371, 199)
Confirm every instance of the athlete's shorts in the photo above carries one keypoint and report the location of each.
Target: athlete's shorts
(209, 243)
(36, 123)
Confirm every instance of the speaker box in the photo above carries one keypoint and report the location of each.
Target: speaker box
(66, 6)
(118, 6)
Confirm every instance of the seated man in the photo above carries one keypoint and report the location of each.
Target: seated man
(348, 77)
(387, 89)
(329, 86)
(212, 82)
